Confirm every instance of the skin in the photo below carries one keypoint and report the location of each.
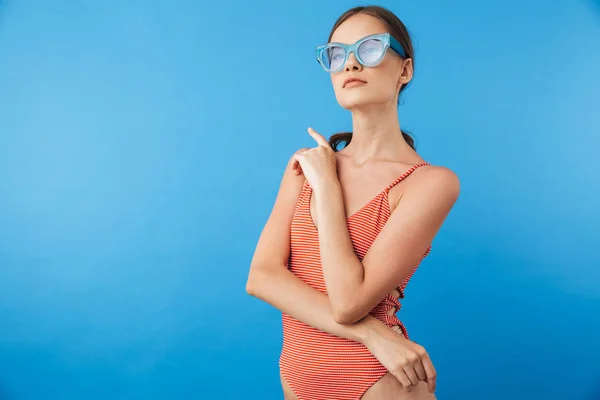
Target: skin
(342, 183)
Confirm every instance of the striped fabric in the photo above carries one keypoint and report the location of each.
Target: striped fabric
(316, 364)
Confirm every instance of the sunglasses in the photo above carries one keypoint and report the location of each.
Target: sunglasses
(369, 51)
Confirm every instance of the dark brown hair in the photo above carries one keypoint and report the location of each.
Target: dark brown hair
(400, 33)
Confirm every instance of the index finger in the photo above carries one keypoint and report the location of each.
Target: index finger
(318, 137)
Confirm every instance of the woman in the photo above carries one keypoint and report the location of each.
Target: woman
(349, 227)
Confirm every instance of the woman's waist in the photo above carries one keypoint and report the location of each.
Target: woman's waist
(384, 312)
(301, 337)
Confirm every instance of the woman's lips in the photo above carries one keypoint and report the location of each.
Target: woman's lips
(354, 83)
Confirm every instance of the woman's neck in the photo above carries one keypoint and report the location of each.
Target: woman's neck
(376, 135)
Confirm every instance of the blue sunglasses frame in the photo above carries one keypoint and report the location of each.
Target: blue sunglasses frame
(388, 42)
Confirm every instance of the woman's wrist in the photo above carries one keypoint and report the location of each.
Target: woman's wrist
(367, 329)
(328, 186)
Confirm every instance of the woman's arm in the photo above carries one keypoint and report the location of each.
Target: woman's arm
(407, 361)
(355, 287)
(271, 281)
(276, 285)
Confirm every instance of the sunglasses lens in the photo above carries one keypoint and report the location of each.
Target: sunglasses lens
(333, 57)
(371, 51)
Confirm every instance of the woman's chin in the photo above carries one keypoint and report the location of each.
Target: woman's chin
(357, 103)
(353, 100)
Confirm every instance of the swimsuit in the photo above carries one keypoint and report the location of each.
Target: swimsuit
(316, 364)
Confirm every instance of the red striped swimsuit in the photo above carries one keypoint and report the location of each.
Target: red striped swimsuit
(316, 364)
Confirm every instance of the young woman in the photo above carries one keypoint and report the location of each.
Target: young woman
(349, 227)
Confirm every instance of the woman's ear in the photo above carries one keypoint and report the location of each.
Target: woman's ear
(407, 71)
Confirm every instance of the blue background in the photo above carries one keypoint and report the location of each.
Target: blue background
(141, 147)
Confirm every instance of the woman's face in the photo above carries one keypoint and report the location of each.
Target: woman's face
(381, 83)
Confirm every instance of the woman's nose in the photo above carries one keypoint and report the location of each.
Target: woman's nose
(352, 63)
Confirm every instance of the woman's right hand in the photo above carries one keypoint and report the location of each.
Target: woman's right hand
(406, 360)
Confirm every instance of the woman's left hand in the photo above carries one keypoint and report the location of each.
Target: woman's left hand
(318, 163)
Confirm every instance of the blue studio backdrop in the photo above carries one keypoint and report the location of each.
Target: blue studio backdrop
(141, 148)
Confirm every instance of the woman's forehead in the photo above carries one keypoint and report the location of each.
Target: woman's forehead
(357, 27)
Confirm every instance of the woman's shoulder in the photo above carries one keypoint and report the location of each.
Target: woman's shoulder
(439, 171)
(435, 178)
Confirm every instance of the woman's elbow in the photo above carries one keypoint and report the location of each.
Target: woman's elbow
(253, 283)
(346, 315)
(251, 287)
